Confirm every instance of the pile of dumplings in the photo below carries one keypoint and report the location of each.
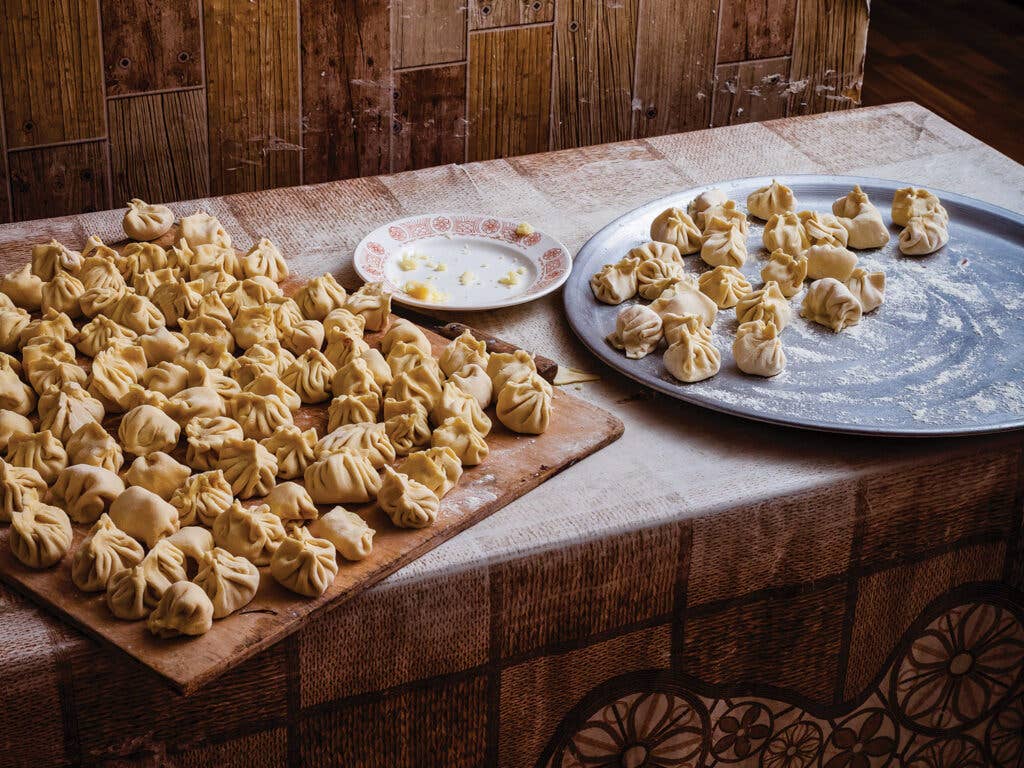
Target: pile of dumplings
(201, 361)
(800, 246)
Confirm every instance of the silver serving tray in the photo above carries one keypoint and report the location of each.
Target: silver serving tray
(943, 356)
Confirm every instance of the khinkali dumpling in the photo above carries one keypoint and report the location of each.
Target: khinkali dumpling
(202, 498)
(784, 231)
(343, 476)
(459, 435)
(12, 424)
(304, 564)
(787, 270)
(368, 439)
(201, 228)
(138, 258)
(85, 492)
(692, 357)
(204, 377)
(319, 296)
(92, 444)
(293, 448)
(824, 228)
(654, 276)
(674, 226)
(162, 566)
(143, 221)
(342, 321)
(23, 287)
(204, 348)
(248, 467)
(685, 299)
(264, 260)
(373, 303)
(100, 272)
(248, 293)
(504, 367)
(40, 451)
(923, 235)
(64, 411)
(113, 371)
(269, 384)
(19, 487)
(910, 202)
(40, 535)
(347, 531)
(724, 243)
(195, 402)
(637, 331)
(768, 304)
(162, 346)
(193, 540)
(62, 294)
(862, 220)
(462, 351)
(230, 581)
(15, 395)
(52, 325)
(758, 349)
(705, 200)
(101, 300)
(290, 501)
(205, 435)
(868, 288)
(727, 212)
(146, 429)
(254, 533)
(771, 200)
(525, 406)
(830, 261)
(100, 333)
(126, 594)
(259, 415)
(409, 503)
(614, 283)
(301, 335)
(655, 251)
(422, 383)
(455, 402)
(407, 332)
(210, 326)
(103, 552)
(437, 468)
(724, 285)
(352, 409)
(401, 358)
(137, 313)
(157, 472)
(310, 376)
(50, 258)
(406, 423)
(12, 323)
(254, 325)
(473, 379)
(183, 610)
(831, 304)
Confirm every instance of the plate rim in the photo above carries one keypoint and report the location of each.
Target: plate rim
(618, 362)
(512, 301)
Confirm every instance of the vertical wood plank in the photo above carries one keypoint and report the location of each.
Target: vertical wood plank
(592, 93)
(158, 147)
(5, 198)
(346, 88)
(751, 91)
(428, 32)
(50, 71)
(252, 70)
(60, 180)
(489, 14)
(430, 117)
(149, 46)
(675, 65)
(509, 92)
(756, 29)
(828, 55)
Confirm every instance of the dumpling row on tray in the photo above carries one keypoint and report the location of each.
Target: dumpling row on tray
(801, 245)
(198, 345)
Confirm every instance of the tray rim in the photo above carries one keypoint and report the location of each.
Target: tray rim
(621, 364)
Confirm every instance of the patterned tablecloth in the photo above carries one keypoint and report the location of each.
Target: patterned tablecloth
(704, 592)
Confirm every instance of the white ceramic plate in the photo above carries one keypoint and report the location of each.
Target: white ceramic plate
(438, 249)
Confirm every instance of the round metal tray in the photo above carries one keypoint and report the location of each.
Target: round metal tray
(943, 356)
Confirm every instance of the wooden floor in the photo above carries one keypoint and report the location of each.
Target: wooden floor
(963, 60)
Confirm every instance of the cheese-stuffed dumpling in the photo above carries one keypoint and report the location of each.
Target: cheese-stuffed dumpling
(202, 497)
(40, 535)
(92, 444)
(768, 304)
(784, 231)
(406, 423)
(230, 581)
(831, 304)
(86, 492)
(525, 406)
(342, 477)
(19, 488)
(830, 261)
(757, 349)
(347, 531)
(724, 243)
(459, 435)
(304, 565)
(290, 501)
(724, 285)
(408, 502)
(248, 467)
(370, 440)
(676, 227)
(40, 451)
(868, 288)
(62, 294)
(254, 534)
(260, 416)
(183, 610)
(146, 429)
(705, 200)
(637, 331)
(24, 288)
(264, 260)
(923, 235)
(53, 257)
(157, 472)
(786, 270)
(771, 200)
(473, 379)
(143, 221)
(692, 357)
(143, 515)
(614, 283)
(909, 202)
(686, 299)
(64, 411)
(437, 468)
(310, 376)
(373, 303)
(102, 553)
(654, 276)
(824, 228)
(455, 402)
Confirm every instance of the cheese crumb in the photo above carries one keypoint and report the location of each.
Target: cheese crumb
(466, 278)
(424, 292)
(524, 229)
(407, 263)
(511, 279)
(441, 267)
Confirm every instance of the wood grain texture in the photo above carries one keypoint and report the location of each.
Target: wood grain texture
(828, 54)
(490, 14)
(592, 92)
(430, 117)
(428, 32)
(509, 92)
(158, 147)
(150, 46)
(50, 71)
(756, 29)
(346, 88)
(675, 65)
(59, 180)
(751, 91)
(252, 67)
(5, 197)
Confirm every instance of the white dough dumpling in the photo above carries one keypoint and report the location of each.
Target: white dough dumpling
(827, 260)
(923, 235)
(724, 285)
(757, 349)
(637, 331)
(909, 202)
(787, 270)
(676, 226)
(830, 303)
(770, 200)
(143, 221)
(685, 298)
(692, 358)
(614, 283)
(768, 303)
(868, 288)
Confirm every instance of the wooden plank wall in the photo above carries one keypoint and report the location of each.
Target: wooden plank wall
(102, 101)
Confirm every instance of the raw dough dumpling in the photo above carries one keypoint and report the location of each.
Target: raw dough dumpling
(230, 581)
(64, 411)
(137, 313)
(406, 423)
(101, 301)
(85, 492)
(310, 376)
(12, 323)
(862, 220)
(343, 321)
(210, 326)
(404, 331)
(162, 346)
(724, 285)
(126, 594)
(113, 371)
(294, 450)
(462, 351)
(771, 200)
(143, 515)
(347, 531)
(409, 503)
(373, 303)
(260, 416)
(62, 294)
(157, 472)
(525, 406)
(344, 476)
(147, 283)
(254, 325)
(830, 261)
(784, 231)
(138, 258)
(163, 565)
(146, 429)
(910, 202)
(301, 335)
(319, 296)
(290, 501)
(727, 212)
(267, 383)
(654, 250)
(248, 293)
(831, 304)
(787, 270)
(614, 283)
(100, 333)
(195, 402)
(352, 409)
(203, 348)
(868, 288)
(371, 440)
(12, 424)
(758, 349)
(707, 199)
(193, 540)
(205, 435)
(676, 227)
(15, 395)
(49, 259)
(99, 272)
(40, 451)
(305, 565)
(724, 243)
(92, 444)
(264, 260)
(254, 534)
(473, 379)
(824, 228)
(923, 235)
(103, 552)
(686, 299)
(503, 367)
(19, 488)
(768, 304)
(248, 467)
(183, 610)
(637, 331)
(437, 468)
(455, 402)
(143, 221)
(459, 435)
(676, 325)
(654, 276)
(40, 535)
(692, 357)
(202, 229)
(421, 383)
(202, 498)
(24, 288)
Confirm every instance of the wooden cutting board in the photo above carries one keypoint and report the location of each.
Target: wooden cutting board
(516, 464)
